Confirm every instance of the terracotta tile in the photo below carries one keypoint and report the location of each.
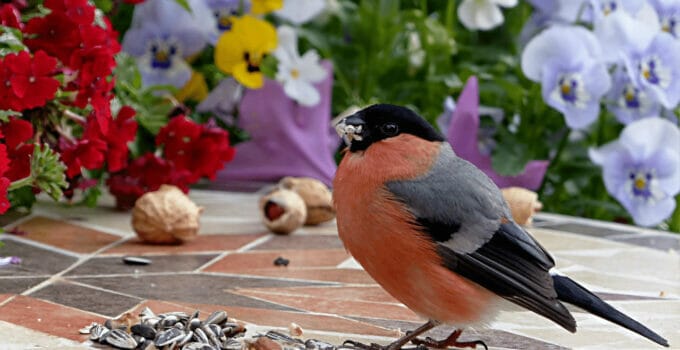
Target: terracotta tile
(47, 317)
(335, 306)
(265, 260)
(275, 318)
(301, 242)
(319, 274)
(4, 297)
(372, 293)
(65, 235)
(202, 243)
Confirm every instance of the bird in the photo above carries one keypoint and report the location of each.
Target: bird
(435, 233)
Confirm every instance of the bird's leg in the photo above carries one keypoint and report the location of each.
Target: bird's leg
(397, 344)
(451, 340)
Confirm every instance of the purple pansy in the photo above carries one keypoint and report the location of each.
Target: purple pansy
(463, 135)
(668, 12)
(162, 35)
(223, 100)
(629, 101)
(223, 11)
(642, 169)
(656, 68)
(566, 60)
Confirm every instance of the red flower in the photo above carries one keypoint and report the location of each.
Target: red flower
(55, 33)
(79, 11)
(145, 174)
(85, 153)
(30, 82)
(201, 149)
(4, 182)
(10, 16)
(19, 148)
(117, 136)
(4, 202)
(123, 131)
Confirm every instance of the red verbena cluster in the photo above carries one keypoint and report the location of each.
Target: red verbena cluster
(190, 151)
(59, 90)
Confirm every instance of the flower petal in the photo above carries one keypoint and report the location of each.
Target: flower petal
(482, 14)
(301, 11)
(302, 92)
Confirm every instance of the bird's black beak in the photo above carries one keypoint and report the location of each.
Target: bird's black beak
(352, 128)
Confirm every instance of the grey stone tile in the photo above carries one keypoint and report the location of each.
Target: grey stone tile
(301, 242)
(588, 230)
(88, 299)
(492, 337)
(663, 242)
(193, 288)
(34, 261)
(18, 285)
(162, 263)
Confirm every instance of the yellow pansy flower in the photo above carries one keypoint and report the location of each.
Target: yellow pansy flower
(261, 7)
(240, 51)
(195, 89)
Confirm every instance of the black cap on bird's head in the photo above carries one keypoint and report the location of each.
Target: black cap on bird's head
(382, 121)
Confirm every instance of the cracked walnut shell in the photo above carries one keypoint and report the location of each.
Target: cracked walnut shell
(317, 197)
(166, 216)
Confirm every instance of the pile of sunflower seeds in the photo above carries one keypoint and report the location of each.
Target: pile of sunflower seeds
(172, 330)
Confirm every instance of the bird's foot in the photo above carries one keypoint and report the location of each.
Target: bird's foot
(451, 340)
(351, 344)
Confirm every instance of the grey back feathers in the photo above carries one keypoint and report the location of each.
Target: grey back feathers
(454, 194)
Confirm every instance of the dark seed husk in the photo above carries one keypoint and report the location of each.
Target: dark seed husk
(168, 336)
(216, 317)
(200, 336)
(197, 346)
(147, 345)
(194, 323)
(143, 330)
(98, 332)
(136, 260)
(186, 339)
(231, 344)
(121, 339)
(168, 321)
(313, 344)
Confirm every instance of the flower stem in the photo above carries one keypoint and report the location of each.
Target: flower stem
(674, 223)
(555, 159)
(75, 117)
(27, 181)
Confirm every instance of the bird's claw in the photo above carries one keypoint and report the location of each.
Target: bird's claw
(443, 344)
(361, 346)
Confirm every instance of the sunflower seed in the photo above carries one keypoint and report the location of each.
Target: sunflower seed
(171, 335)
(216, 317)
(143, 330)
(136, 260)
(121, 339)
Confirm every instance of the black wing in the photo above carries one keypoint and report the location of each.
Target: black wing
(515, 269)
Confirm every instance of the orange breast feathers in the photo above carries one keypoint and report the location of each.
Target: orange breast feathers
(379, 232)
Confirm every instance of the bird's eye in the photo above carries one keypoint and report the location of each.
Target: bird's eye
(390, 129)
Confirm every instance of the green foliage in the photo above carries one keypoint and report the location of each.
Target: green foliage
(10, 41)
(153, 105)
(48, 172)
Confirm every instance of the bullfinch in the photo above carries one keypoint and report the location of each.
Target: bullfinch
(435, 232)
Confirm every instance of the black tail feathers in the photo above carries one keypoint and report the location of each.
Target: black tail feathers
(573, 293)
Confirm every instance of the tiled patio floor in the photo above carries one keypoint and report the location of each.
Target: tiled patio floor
(72, 274)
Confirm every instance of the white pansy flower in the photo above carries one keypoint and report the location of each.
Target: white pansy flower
(298, 73)
(483, 14)
(301, 11)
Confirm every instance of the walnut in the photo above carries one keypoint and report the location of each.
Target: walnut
(523, 204)
(283, 211)
(166, 216)
(317, 197)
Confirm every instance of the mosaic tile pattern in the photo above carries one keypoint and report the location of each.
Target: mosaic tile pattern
(73, 273)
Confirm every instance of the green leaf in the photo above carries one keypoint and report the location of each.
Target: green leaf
(104, 5)
(48, 171)
(510, 159)
(6, 113)
(185, 4)
(10, 41)
(22, 197)
(269, 66)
